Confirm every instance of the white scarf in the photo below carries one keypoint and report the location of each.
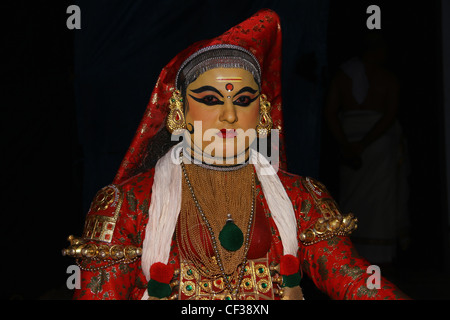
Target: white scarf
(166, 204)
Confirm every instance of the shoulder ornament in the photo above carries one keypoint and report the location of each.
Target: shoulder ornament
(103, 213)
(95, 247)
(331, 223)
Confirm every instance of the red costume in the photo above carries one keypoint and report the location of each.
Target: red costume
(111, 246)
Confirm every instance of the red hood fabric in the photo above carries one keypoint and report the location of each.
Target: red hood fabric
(259, 34)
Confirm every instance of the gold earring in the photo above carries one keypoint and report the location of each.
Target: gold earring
(175, 120)
(265, 121)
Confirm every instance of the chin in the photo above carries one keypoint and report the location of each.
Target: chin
(236, 157)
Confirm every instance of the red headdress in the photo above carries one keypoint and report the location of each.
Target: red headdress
(261, 35)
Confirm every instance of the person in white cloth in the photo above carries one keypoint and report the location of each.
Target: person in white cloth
(361, 113)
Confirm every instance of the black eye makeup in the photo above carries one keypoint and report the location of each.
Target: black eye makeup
(209, 100)
(244, 101)
(207, 88)
(212, 100)
(246, 89)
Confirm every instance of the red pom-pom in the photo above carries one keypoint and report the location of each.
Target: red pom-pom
(289, 265)
(161, 272)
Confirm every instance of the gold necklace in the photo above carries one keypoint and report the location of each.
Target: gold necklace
(213, 238)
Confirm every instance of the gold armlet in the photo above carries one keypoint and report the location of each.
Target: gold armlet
(332, 222)
(79, 248)
(325, 229)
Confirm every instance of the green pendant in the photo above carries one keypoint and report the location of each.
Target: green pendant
(231, 237)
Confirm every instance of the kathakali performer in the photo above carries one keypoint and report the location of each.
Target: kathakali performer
(211, 217)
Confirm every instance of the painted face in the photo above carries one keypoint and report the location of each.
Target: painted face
(223, 108)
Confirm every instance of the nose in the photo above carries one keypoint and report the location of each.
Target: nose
(228, 113)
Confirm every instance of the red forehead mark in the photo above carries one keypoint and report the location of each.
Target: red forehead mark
(229, 87)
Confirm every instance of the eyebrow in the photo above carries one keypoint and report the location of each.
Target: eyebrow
(207, 88)
(246, 89)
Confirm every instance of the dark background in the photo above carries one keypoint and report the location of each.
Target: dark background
(72, 100)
